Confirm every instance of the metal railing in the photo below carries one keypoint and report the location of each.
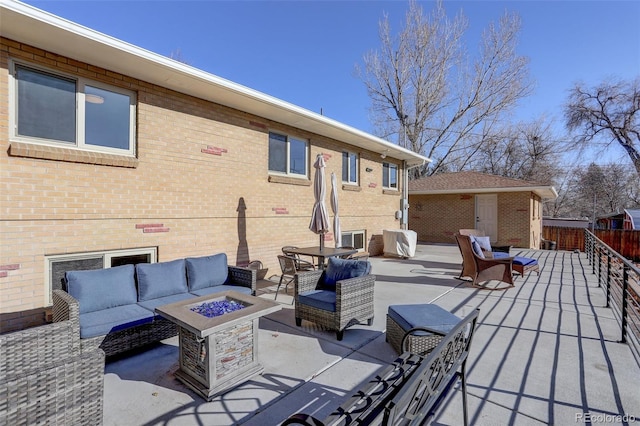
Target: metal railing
(621, 281)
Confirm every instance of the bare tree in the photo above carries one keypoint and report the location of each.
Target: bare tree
(430, 95)
(609, 113)
(522, 151)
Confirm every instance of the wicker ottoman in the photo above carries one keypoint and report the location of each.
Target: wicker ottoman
(429, 324)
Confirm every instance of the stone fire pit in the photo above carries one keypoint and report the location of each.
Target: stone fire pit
(220, 351)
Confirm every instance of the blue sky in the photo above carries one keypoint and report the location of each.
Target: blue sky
(304, 52)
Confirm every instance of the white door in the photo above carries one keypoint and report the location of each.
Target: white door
(487, 215)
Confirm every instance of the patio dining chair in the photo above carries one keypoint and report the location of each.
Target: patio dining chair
(289, 268)
(301, 264)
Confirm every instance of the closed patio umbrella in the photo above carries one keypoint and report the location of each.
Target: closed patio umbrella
(319, 217)
(337, 233)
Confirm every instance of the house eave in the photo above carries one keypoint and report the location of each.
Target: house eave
(544, 192)
(26, 24)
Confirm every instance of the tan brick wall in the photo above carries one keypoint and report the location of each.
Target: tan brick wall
(201, 173)
(435, 218)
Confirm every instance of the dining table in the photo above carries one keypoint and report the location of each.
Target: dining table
(322, 253)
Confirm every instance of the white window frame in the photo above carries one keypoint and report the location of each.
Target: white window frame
(350, 172)
(107, 256)
(353, 234)
(288, 154)
(81, 83)
(391, 166)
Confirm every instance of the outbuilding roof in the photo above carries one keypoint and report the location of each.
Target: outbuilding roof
(27, 24)
(476, 182)
(634, 215)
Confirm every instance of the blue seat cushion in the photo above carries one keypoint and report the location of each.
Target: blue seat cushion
(161, 279)
(207, 271)
(102, 288)
(428, 315)
(219, 288)
(100, 323)
(152, 304)
(524, 261)
(320, 299)
(342, 269)
(476, 248)
(517, 260)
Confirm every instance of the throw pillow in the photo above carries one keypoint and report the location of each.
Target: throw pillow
(342, 269)
(161, 279)
(477, 249)
(208, 271)
(102, 288)
(485, 243)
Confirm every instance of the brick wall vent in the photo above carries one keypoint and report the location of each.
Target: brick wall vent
(148, 228)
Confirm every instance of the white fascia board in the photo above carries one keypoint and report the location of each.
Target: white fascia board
(29, 25)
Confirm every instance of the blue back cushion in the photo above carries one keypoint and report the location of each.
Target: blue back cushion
(342, 269)
(208, 271)
(102, 288)
(161, 279)
(476, 248)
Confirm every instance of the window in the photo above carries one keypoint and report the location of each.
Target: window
(389, 175)
(288, 155)
(56, 266)
(353, 239)
(349, 167)
(54, 109)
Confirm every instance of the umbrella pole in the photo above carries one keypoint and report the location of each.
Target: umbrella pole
(321, 242)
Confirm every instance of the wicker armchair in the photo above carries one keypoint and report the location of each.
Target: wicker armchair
(45, 377)
(483, 269)
(351, 303)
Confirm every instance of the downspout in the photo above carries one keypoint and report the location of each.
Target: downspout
(404, 202)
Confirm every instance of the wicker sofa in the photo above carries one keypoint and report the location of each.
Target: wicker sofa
(47, 378)
(115, 307)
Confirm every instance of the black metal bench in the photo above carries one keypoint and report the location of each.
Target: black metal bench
(409, 390)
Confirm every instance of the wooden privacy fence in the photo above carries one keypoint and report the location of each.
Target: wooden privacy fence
(625, 242)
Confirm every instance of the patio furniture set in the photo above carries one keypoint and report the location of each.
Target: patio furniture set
(110, 311)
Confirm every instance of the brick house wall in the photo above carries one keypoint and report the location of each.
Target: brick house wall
(437, 217)
(199, 185)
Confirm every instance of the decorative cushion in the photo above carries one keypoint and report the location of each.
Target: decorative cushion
(476, 248)
(342, 269)
(102, 288)
(161, 279)
(423, 315)
(207, 271)
(485, 243)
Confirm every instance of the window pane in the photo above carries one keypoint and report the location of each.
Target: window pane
(393, 176)
(353, 168)
(58, 268)
(133, 259)
(298, 156)
(345, 167)
(46, 106)
(347, 239)
(358, 240)
(277, 153)
(385, 175)
(107, 118)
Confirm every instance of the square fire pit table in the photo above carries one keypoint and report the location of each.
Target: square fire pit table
(221, 352)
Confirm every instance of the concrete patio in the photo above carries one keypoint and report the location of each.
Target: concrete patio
(545, 352)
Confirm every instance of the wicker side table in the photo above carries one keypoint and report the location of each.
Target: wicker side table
(423, 324)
